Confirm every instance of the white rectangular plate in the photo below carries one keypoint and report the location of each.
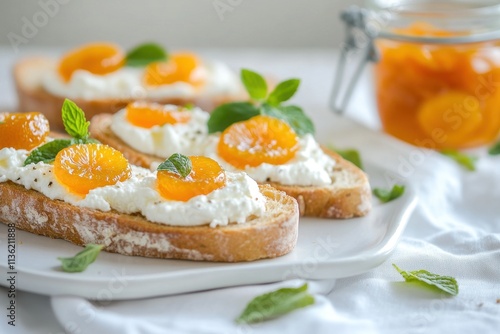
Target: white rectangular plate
(326, 249)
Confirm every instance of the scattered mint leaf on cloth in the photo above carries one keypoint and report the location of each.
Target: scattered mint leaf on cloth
(495, 149)
(462, 159)
(144, 54)
(385, 195)
(178, 164)
(275, 304)
(82, 260)
(255, 84)
(427, 279)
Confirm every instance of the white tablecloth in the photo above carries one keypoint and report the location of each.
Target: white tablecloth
(453, 231)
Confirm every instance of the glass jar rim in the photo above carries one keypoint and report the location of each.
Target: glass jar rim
(480, 18)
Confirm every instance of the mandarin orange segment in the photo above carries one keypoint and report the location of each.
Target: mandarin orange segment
(83, 167)
(261, 139)
(147, 115)
(456, 113)
(206, 176)
(97, 58)
(182, 67)
(23, 130)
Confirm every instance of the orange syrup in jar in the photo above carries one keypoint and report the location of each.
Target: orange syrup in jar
(439, 95)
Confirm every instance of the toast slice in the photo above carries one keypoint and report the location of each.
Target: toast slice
(348, 196)
(28, 76)
(271, 235)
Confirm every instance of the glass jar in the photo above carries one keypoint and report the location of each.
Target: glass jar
(437, 70)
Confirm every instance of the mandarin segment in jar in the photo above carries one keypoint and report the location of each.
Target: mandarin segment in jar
(96, 58)
(23, 130)
(83, 167)
(206, 176)
(147, 115)
(420, 86)
(180, 67)
(261, 139)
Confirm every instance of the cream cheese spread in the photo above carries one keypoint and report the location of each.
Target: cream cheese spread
(163, 141)
(235, 202)
(126, 83)
(310, 166)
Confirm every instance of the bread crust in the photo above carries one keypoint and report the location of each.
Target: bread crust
(33, 97)
(337, 200)
(274, 234)
(334, 201)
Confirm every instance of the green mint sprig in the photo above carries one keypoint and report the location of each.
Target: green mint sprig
(385, 195)
(495, 149)
(466, 161)
(427, 279)
(75, 124)
(74, 121)
(262, 103)
(144, 54)
(178, 164)
(82, 260)
(275, 304)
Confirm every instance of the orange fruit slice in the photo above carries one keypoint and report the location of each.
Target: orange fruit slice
(23, 130)
(261, 139)
(456, 113)
(97, 58)
(179, 67)
(83, 167)
(147, 115)
(206, 176)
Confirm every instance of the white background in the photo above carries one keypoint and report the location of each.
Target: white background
(175, 23)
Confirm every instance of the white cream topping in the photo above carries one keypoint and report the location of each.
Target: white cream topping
(310, 166)
(235, 202)
(163, 141)
(127, 83)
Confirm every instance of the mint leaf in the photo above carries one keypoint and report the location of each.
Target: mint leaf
(47, 152)
(74, 120)
(424, 278)
(283, 92)
(276, 303)
(495, 149)
(462, 159)
(177, 164)
(144, 54)
(293, 115)
(82, 260)
(350, 155)
(388, 195)
(255, 84)
(229, 113)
